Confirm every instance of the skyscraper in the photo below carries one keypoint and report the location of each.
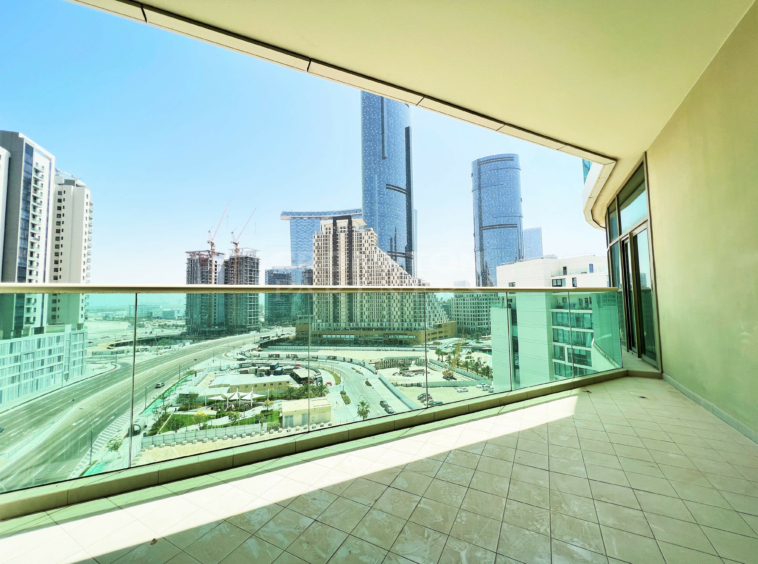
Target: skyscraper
(73, 213)
(242, 311)
(498, 232)
(388, 177)
(283, 308)
(205, 312)
(303, 225)
(532, 243)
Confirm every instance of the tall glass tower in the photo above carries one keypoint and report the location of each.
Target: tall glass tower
(388, 177)
(303, 225)
(498, 232)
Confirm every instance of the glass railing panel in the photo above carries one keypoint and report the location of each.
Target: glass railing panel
(65, 386)
(468, 349)
(595, 345)
(368, 351)
(205, 380)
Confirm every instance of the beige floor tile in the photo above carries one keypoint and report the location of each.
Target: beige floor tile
(608, 475)
(412, 482)
(623, 518)
(159, 552)
(456, 474)
(523, 546)
(663, 505)
(459, 552)
(383, 475)
(733, 547)
(397, 502)
(680, 555)
(601, 459)
(566, 453)
(570, 484)
(192, 528)
(573, 505)
(255, 518)
(253, 550)
(463, 458)
(434, 515)
(485, 504)
(531, 475)
(379, 528)
(535, 447)
(576, 531)
(633, 453)
(570, 554)
(445, 492)
(426, 466)
(714, 467)
(614, 494)
(357, 551)
(490, 483)
(312, 504)
(733, 485)
(287, 558)
(419, 544)
(527, 516)
(684, 475)
(493, 450)
(570, 467)
(181, 558)
(476, 529)
(217, 544)
(531, 459)
(284, 528)
(630, 548)
(719, 518)
(741, 503)
(365, 491)
(529, 493)
(679, 532)
(317, 543)
(645, 467)
(495, 466)
(659, 486)
(344, 514)
(699, 494)
(751, 520)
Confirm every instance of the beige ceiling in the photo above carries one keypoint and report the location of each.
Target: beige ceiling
(604, 75)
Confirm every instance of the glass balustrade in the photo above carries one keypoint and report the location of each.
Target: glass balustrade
(91, 383)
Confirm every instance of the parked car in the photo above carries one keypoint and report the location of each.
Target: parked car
(422, 397)
(481, 386)
(160, 385)
(461, 389)
(383, 403)
(389, 410)
(435, 403)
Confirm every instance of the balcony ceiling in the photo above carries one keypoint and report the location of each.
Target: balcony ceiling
(599, 74)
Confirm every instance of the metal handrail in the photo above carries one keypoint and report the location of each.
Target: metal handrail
(294, 289)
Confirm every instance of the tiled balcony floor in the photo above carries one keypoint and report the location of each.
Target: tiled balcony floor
(631, 472)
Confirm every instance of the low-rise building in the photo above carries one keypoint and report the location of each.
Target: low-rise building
(295, 413)
(585, 271)
(245, 383)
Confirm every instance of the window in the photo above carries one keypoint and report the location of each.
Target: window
(511, 284)
(573, 282)
(558, 282)
(592, 268)
(565, 270)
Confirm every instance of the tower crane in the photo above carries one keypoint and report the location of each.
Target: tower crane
(212, 243)
(236, 243)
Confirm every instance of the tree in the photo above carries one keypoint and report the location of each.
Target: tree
(186, 401)
(234, 416)
(200, 419)
(174, 424)
(363, 409)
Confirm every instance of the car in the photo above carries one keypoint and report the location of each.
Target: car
(461, 389)
(159, 385)
(383, 403)
(481, 385)
(389, 410)
(421, 397)
(328, 383)
(435, 403)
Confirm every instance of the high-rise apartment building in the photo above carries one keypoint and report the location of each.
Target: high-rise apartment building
(346, 254)
(285, 308)
(532, 243)
(472, 312)
(303, 226)
(388, 177)
(205, 312)
(71, 226)
(498, 232)
(242, 311)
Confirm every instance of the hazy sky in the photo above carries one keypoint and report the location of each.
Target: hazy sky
(167, 130)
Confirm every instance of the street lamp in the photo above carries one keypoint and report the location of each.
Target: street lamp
(90, 429)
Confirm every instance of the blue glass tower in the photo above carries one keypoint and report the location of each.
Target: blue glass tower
(388, 177)
(498, 231)
(302, 227)
(533, 243)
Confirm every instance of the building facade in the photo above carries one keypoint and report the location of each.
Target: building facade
(242, 311)
(388, 177)
(586, 271)
(285, 308)
(472, 312)
(532, 243)
(204, 313)
(303, 226)
(72, 214)
(498, 230)
(347, 254)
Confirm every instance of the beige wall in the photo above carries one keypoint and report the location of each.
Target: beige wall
(703, 173)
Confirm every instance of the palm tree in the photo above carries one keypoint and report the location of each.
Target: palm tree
(363, 409)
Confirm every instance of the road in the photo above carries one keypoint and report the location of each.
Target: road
(87, 409)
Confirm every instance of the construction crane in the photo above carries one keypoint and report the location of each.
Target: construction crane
(236, 243)
(212, 243)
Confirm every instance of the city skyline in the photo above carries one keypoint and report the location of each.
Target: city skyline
(289, 115)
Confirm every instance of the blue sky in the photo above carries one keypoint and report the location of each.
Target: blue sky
(166, 131)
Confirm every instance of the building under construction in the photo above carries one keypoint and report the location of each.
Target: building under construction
(242, 311)
(219, 314)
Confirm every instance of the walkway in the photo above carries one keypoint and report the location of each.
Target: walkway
(626, 471)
